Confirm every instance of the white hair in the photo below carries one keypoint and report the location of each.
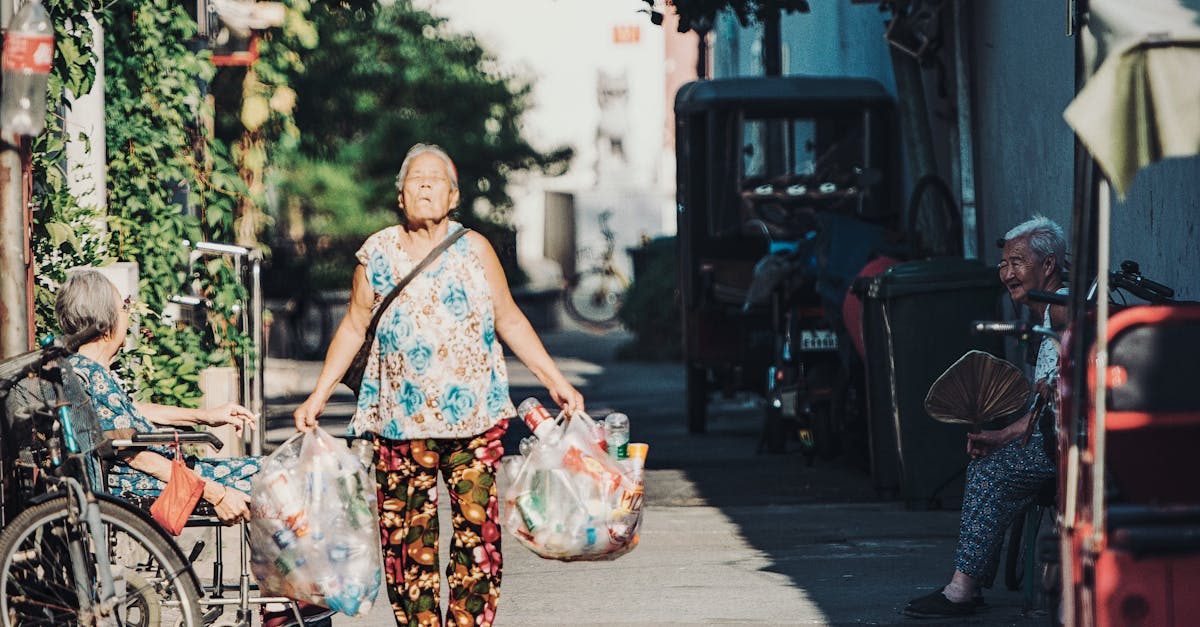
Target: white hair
(421, 149)
(87, 299)
(1045, 238)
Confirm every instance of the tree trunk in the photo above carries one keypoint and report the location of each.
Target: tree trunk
(772, 45)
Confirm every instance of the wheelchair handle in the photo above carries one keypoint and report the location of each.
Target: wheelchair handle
(157, 438)
(13, 369)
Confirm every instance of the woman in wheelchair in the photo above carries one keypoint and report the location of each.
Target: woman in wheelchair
(88, 298)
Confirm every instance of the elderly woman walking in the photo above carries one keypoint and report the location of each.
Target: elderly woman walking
(434, 396)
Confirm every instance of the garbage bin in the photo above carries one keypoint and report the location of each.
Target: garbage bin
(916, 323)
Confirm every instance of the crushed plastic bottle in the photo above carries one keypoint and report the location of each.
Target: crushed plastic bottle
(26, 60)
(364, 450)
(538, 419)
(616, 432)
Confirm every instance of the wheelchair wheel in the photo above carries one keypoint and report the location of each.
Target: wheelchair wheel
(42, 585)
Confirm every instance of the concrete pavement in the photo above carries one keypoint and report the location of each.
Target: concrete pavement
(729, 536)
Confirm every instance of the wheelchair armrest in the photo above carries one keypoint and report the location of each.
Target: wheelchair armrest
(159, 438)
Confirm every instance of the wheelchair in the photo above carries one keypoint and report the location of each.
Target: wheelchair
(71, 553)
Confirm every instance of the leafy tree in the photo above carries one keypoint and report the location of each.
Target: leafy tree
(386, 76)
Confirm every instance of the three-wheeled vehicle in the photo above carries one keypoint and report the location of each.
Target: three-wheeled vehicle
(795, 179)
(1128, 502)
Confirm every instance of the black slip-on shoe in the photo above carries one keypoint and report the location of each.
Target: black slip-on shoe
(936, 605)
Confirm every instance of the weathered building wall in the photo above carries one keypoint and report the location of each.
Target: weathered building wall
(1022, 74)
(1023, 67)
(833, 40)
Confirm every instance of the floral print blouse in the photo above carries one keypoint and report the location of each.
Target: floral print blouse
(115, 410)
(436, 369)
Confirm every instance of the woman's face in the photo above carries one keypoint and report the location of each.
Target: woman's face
(119, 332)
(1022, 270)
(428, 194)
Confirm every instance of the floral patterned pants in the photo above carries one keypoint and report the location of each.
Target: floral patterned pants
(406, 471)
(999, 486)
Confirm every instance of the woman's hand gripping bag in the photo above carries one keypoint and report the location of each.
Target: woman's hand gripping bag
(314, 529)
(568, 500)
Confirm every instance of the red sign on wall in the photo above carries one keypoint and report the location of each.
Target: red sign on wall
(627, 34)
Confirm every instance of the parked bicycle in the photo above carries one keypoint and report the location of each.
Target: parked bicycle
(71, 555)
(594, 296)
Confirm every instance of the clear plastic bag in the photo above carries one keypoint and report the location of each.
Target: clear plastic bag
(568, 500)
(314, 528)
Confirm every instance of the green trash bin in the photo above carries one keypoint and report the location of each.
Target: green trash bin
(916, 323)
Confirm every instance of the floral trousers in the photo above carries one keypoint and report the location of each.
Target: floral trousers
(999, 486)
(406, 471)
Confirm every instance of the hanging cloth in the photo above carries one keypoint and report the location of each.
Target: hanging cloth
(1142, 104)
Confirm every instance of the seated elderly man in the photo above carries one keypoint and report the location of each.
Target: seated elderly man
(1005, 474)
(90, 299)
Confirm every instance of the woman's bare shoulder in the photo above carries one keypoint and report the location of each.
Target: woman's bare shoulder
(478, 242)
(385, 237)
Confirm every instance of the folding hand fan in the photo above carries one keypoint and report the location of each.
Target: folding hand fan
(977, 388)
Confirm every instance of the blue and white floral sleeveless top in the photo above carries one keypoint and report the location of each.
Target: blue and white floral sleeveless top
(436, 369)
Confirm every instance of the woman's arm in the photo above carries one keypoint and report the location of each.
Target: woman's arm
(170, 416)
(346, 342)
(1058, 317)
(514, 329)
(984, 442)
(230, 505)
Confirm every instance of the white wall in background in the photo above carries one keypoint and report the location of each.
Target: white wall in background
(602, 97)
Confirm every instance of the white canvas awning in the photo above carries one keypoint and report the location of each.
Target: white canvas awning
(1142, 103)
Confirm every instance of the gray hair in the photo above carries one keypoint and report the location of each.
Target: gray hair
(87, 299)
(1045, 238)
(421, 149)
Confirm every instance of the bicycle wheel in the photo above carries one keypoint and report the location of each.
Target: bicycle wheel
(154, 583)
(595, 298)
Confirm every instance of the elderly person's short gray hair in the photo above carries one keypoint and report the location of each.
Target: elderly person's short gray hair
(421, 149)
(1045, 238)
(87, 299)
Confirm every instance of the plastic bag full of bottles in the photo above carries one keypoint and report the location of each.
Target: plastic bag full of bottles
(568, 498)
(314, 527)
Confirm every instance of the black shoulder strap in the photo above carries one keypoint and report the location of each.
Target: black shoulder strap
(433, 254)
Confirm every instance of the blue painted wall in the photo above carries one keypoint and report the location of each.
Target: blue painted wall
(1023, 76)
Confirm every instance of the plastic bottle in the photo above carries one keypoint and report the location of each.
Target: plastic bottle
(537, 418)
(364, 450)
(27, 57)
(598, 435)
(635, 466)
(616, 433)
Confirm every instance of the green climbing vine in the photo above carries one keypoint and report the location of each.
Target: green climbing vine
(170, 180)
(65, 234)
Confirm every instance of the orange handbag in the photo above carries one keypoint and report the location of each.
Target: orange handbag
(172, 508)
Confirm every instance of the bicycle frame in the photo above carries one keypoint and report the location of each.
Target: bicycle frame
(71, 470)
(82, 497)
